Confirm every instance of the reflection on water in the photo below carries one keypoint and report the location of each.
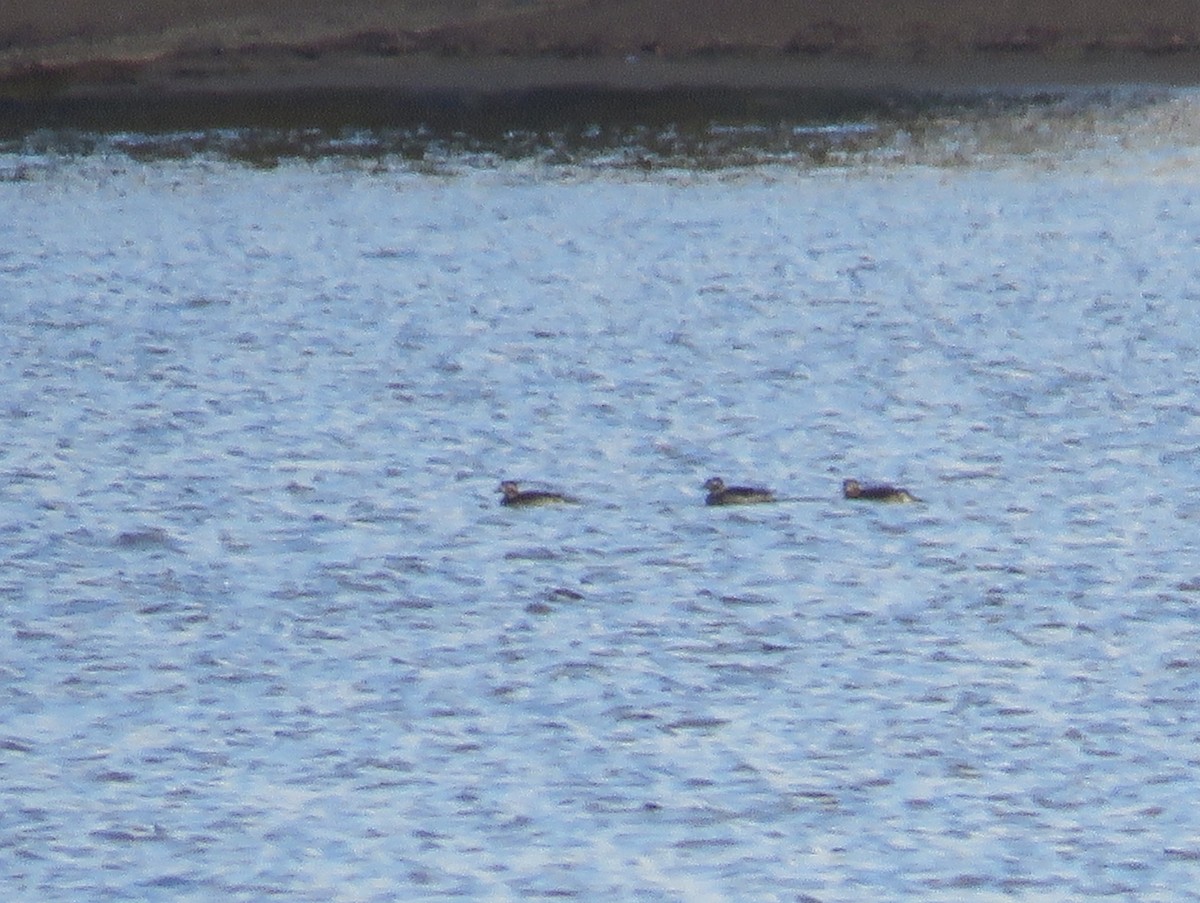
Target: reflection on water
(693, 129)
(269, 633)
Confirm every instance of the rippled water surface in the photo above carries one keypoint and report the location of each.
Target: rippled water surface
(267, 632)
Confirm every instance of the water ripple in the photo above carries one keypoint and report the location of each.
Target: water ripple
(261, 595)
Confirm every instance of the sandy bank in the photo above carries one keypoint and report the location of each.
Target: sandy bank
(86, 57)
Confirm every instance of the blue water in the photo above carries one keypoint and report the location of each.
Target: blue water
(268, 634)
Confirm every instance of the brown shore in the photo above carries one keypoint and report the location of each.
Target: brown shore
(86, 55)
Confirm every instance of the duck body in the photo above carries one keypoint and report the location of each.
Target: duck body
(513, 495)
(720, 494)
(881, 492)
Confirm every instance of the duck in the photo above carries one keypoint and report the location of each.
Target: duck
(720, 494)
(879, 492)
(513, 495)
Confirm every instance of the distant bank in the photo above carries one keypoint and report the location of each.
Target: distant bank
(95, 61)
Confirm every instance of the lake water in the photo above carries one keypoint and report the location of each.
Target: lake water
(268, 634)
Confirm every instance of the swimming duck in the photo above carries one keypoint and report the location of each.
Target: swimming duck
(514, 496)
(720, 494)
(852, 489)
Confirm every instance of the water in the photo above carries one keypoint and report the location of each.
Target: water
(268, 634)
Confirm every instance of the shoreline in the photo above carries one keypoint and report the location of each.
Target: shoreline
(99, 64)
(367, 90)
